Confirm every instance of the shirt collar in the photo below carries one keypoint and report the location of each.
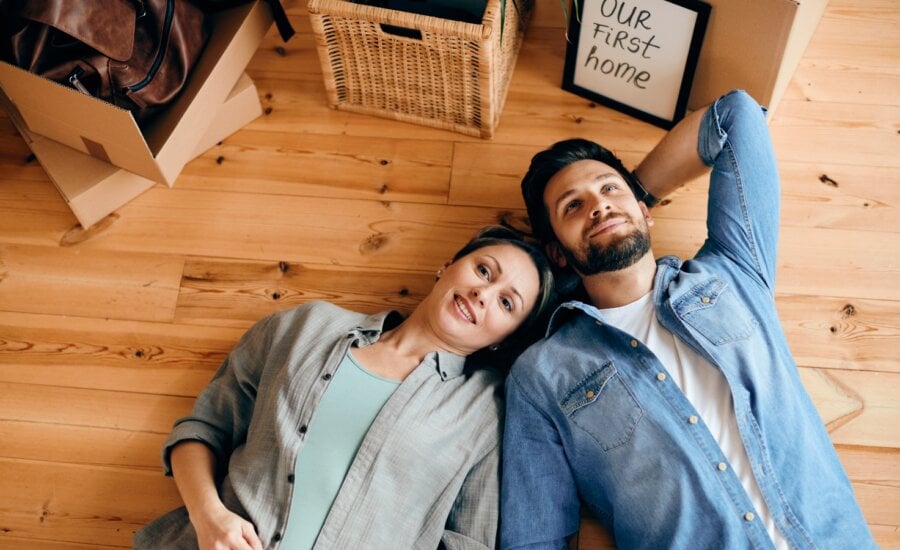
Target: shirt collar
(447, 365)
(666, 268)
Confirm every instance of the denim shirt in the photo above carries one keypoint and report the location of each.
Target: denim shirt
(594, 418)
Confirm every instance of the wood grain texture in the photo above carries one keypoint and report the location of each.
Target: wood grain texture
(107, 335)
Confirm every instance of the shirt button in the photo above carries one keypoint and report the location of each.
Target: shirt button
(704, 299)
(722, 466)
(598, 323)
(589, 394)
(692, 419)
(749, 516)
(634, 343)
(326, 376)
(276, 537)
(443, 374)
(661, 376)
(302, 429)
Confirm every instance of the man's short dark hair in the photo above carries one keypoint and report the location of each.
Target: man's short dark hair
(547, 163)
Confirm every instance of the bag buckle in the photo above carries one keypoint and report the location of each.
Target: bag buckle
(73, 79)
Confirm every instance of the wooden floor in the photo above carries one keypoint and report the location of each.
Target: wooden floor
(107, 335)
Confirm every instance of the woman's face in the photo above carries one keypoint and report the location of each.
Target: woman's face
(483, 297)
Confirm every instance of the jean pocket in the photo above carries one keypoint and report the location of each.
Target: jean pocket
(715, 312)
(602, 406)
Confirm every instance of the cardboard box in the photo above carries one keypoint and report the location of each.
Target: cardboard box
(93, 189)
(111, 134)
(755, 45)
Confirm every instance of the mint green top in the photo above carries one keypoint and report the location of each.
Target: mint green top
(347, 409)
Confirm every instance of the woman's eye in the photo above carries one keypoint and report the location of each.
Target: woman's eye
(506, 303)
(484, 271)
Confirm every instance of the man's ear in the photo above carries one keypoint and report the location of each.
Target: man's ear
(555, 253)
(646, 212)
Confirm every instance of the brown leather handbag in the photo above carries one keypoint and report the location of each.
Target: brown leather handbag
(136, 54)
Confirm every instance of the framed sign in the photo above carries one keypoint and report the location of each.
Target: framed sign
(636, 56)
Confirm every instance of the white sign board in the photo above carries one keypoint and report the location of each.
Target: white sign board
(636, 55)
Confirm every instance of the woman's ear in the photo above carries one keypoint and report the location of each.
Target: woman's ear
(441, 270)
(555, 253)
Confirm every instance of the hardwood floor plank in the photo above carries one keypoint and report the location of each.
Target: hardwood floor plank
(214, 290)
(104, 354)
(858, 407)
(293, 229)
(39, 544)
(84, 445)
(280, 163)
(855, 134)
(849, 334)
(875, 473)
(65, 503)
(133, 412)
(71, 281)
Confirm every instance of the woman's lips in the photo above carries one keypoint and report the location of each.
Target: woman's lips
(464, 309)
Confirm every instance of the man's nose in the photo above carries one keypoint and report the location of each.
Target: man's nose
(599, 206)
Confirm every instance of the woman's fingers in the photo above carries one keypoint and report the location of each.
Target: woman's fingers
(250, 536)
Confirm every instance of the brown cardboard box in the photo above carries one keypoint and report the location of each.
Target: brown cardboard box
(754, 45)
(93, 188)
(109, 133)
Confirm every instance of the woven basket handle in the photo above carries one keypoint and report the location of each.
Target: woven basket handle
(412, 22)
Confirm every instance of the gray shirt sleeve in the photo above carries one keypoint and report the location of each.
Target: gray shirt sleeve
(221, 416)
(472, 523)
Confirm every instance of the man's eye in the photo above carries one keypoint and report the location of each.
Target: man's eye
(572, 205)
(610, 187)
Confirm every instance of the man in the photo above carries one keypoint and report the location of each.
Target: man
(666, 399)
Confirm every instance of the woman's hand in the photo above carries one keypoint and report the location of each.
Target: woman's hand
(217, 527)
(222, 529)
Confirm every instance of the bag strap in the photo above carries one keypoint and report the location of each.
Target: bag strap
(285, 29)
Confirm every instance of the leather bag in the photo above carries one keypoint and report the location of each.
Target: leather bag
(136, 54)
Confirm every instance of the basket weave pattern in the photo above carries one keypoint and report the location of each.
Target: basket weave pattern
(455, 77)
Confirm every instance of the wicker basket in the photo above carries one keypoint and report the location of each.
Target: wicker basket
(454, 77)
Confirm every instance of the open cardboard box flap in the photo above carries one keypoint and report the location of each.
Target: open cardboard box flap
(93, 188)
(111, 134)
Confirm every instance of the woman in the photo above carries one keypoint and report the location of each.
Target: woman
(334, 429)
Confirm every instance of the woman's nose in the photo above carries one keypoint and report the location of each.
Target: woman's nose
(478, 295)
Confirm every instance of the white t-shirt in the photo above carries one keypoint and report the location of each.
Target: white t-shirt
(704, 386)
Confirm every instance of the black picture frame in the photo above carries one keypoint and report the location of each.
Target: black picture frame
(625, 49)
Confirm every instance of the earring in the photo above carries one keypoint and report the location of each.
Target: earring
(439, 272)
(495, 347)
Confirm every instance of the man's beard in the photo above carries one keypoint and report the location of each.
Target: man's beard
(594, 258)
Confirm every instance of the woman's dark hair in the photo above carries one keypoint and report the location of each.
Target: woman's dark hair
(530, 330)
(547, 163)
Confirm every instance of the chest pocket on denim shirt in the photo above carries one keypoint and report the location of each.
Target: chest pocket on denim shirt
(715, 312)
(603, 406)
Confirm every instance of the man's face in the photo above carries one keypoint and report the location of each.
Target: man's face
(599, 223)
